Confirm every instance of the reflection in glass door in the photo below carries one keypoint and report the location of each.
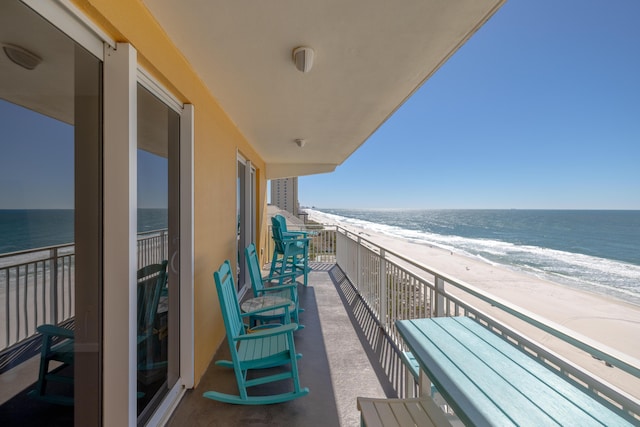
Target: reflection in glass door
(158, 255)
(50, 223)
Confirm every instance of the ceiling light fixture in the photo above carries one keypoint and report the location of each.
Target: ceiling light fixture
(21, 56)
(300, 142)
(303, 58)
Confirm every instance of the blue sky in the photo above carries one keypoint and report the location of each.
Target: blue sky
(539, 109)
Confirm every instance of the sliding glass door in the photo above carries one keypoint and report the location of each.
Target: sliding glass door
(158, 283)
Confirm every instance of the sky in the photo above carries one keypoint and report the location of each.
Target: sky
(540, 109)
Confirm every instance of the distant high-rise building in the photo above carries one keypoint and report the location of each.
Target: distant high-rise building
(284, 194)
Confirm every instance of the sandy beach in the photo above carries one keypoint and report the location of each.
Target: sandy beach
(607, 320)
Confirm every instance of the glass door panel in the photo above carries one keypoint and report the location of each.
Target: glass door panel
(50, 221)
(158, 255)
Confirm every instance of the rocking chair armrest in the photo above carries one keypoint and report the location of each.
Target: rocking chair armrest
(295, 240)
(302, 233)
(274, 277)
(279, 288)
(269, 308)
(289, 327)
(288, 234)
(54, 330)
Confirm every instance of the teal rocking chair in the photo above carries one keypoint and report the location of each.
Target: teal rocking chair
(264, 286)
(261, 349)
(152, 282)
(290, 256)
(58, 342)
(58, 346)
(280, 221)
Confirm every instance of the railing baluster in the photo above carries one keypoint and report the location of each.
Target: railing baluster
(53, 283)
(382, 288)
(439, 303)
(35, 294)
(25, 295)
(6, 305)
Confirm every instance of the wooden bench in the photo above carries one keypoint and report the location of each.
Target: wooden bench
(421, 412)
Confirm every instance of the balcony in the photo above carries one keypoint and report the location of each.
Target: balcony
(351, 347)
(342, 351)
(356, 292)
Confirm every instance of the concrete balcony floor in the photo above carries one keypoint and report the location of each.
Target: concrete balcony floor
(344, 356)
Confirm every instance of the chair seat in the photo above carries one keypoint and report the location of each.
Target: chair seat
(264, 351)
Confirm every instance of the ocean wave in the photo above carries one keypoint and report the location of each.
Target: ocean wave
(586, 272)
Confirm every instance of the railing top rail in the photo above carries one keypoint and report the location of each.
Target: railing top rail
(621, 360)
(142, 234)
(34, 250)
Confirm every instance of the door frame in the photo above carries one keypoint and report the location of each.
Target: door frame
(121, 77)
(186, 327)
(248, 222)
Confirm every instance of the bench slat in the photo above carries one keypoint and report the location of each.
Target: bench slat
(388, 417)
(561, 400)
(369, 413)
(422, 412)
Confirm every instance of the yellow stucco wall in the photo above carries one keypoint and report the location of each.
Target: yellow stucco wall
(217, 142)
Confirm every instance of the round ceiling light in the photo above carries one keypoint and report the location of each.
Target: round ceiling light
(21, 56)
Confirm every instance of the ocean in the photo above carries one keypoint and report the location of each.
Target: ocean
(22, 229)
(593, 250)
(597, 251)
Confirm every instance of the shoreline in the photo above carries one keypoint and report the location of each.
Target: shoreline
(602, 318)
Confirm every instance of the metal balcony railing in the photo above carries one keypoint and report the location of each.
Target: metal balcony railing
(395, 287)
(36, 287)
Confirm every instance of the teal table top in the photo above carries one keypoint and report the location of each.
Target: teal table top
(490, 382)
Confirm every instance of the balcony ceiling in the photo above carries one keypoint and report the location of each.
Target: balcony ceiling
(370, 56)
